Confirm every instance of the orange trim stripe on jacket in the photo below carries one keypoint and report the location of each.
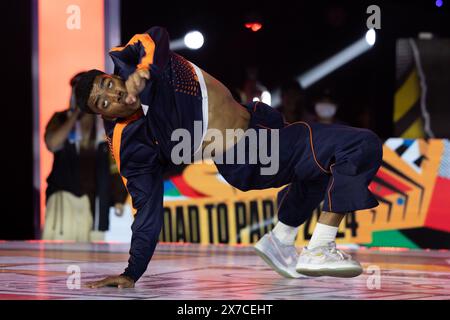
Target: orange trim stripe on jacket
(149, 47)
(117, 140)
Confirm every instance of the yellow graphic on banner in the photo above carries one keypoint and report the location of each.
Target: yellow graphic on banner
(414, 213)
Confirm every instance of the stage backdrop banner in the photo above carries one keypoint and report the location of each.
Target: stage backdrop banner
(412, 187)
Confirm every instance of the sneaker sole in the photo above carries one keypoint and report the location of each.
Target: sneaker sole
(327, 272)
(267, 260)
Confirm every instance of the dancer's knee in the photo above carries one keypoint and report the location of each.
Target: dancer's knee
(373, 147)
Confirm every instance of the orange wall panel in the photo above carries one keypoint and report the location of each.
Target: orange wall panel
(71, 38)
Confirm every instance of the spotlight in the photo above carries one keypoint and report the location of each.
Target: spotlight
(439, 3)
(253, 21)
(266, 98)
(371, 37)
(254, 26)
(194, 40)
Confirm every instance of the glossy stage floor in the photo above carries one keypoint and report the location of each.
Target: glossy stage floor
(38, 270)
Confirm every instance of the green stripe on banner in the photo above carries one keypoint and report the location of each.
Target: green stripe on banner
(391, 238)
(172, 193)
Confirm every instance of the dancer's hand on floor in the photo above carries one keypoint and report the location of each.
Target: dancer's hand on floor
(113, 281)
(135, 84)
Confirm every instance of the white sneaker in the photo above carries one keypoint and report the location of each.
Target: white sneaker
(327, 261)
(280, 257)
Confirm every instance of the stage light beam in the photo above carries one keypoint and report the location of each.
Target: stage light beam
(338, 60)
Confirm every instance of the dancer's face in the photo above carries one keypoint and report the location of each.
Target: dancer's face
(108, 98)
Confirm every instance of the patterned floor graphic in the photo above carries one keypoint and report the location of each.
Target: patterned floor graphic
(39, 270)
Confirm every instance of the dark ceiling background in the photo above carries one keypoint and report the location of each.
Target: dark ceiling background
(296, 36)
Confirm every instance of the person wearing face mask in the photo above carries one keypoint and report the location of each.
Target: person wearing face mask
(325, 109)
(82, 185)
